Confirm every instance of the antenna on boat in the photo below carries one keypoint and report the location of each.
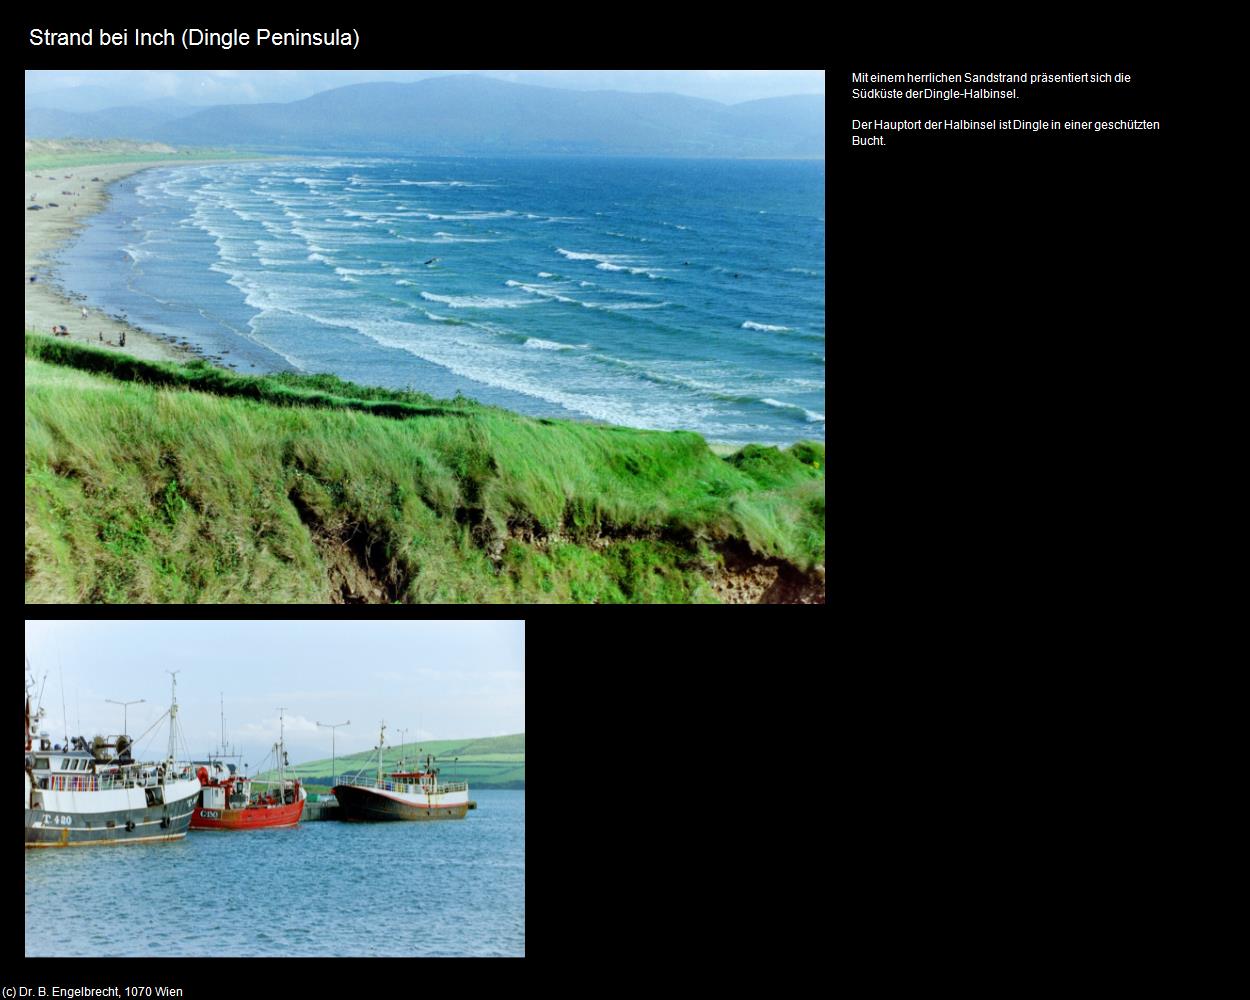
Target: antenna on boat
(28, 707)
(173, 712)
(39, 701)
(281, 753)
(63, 719)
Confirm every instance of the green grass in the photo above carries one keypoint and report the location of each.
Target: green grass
(54, 154)
(282, 389)
(157, 482)
(485, 762)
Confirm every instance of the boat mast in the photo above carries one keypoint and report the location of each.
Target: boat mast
(381, 733)
(225, 750)
(33, 716)
(39, 709)
(281, 754)
(173, 714)
(28, 704)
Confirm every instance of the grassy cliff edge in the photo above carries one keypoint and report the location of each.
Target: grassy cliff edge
(158, 482)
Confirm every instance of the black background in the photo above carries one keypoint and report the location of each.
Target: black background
(1001, 312)
(1015, 307)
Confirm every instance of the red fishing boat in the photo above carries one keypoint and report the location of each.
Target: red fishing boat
(228, 802)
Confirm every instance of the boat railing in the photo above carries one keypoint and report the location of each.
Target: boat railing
(103, 782)
(72, 783)
(409, 787)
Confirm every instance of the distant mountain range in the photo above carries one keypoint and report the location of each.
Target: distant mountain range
(85, 97)
(469, 115)
(108, 123)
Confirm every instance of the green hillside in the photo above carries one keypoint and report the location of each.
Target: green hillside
(489, 762)
(154, 482)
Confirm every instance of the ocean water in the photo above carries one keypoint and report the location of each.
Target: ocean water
(668, 294)
(326, 888)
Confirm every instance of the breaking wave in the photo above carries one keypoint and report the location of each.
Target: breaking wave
(748, 325)
(551, 345)
(474, 301)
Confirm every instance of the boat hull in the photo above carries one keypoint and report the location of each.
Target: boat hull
(358, 804)
(263, 818)
(49, 828)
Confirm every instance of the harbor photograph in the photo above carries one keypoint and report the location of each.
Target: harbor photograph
(292, 789)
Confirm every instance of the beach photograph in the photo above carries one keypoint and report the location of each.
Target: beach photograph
(332, 337)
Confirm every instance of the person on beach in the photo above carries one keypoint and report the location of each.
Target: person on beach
(123, 338)
(84, 312)
(101, 332)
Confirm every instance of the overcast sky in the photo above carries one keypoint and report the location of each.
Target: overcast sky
(104, 88)
(439, 680)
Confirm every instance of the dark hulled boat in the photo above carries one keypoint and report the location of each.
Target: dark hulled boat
(402, 795)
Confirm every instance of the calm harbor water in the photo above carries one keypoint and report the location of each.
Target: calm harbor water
(320, 889)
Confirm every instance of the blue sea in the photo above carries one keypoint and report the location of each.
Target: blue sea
(323, 888)
(668, 294)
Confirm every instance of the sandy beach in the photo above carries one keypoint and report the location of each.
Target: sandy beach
(48, 304)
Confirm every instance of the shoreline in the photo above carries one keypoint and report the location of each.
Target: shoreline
(48, 302)
(47, 231)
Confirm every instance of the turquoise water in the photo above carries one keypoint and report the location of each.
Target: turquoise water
(325, 888)
(668, 294)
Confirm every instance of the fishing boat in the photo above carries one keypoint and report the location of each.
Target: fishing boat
(228, 802)
(82, 793)
(402, 795)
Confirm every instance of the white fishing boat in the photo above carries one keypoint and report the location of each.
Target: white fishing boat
(84, 793)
